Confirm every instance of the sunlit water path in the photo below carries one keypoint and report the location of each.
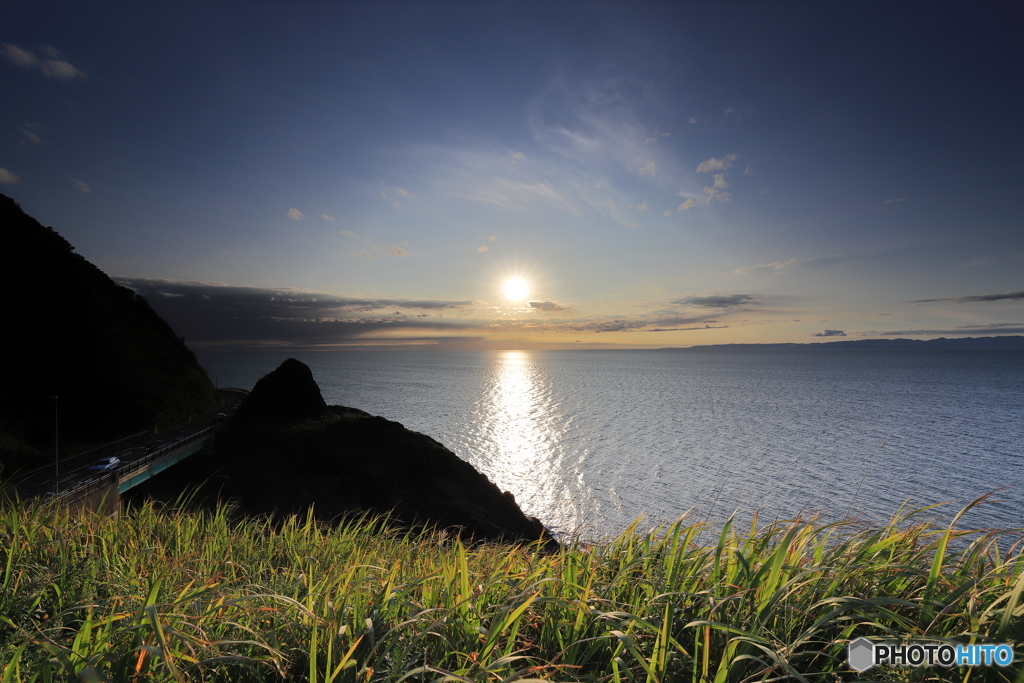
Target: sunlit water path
(591, 440)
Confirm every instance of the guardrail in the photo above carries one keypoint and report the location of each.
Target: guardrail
(86, 489)
(128, 470)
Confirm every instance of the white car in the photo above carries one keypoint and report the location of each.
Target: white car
(105, 464)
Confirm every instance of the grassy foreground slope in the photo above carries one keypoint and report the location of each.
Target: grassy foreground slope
(163, 595)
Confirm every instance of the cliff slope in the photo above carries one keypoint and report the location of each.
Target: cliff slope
(115, 365)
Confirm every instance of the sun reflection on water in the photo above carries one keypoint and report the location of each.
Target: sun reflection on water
(524, 432)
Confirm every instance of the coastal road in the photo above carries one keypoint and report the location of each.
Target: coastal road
(80, 469)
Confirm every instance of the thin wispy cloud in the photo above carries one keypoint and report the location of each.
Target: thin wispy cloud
(1011, 296)
(688, 329)
(50, 62)
(777, 265)
(295, 214)
(589, 158)
(82, 186)
(8, 178)
(829, 333)
(29, 135)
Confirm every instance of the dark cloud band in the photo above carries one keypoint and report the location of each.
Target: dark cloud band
(976, 297)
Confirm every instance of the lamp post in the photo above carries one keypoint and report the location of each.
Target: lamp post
(56, 451)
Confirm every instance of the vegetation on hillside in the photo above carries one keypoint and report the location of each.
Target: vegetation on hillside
(171, 595)
(114, 364)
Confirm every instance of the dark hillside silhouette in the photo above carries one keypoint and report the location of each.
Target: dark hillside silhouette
(72, 332)
(285, 451)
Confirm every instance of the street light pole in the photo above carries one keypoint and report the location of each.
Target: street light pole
(56, 450)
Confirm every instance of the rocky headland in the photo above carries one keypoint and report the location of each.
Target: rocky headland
(285, 451)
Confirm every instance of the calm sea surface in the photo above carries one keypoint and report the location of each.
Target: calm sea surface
(591, 440)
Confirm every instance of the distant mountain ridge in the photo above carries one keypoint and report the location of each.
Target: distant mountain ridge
(1007, 343)
(114, 364)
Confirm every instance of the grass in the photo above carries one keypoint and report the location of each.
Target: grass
(172, 595)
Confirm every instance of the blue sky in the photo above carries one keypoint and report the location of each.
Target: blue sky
(333, 174)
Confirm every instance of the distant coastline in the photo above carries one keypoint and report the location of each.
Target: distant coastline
(1006, 343)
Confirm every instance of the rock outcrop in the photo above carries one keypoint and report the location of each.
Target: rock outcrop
(288, 394)
(285, 451)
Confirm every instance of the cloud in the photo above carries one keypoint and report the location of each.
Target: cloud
(363, 254)
(829, 333)
(51, 63)
(214, 314)
(549, 306)
(20, 57)
(715, 192)
(687, 205)
(714, 164)
(398, 252)
(29, 135)
(403, 193)
(693, 120)
(778, 265)
(346, 233)
(483, 248)
(295, 214)
(492, 237)
(642, 206)
(83, 186)
(521, 195)
(8, 178)
(328, 218)
(588, 152)
(702, 327)
(716, 300)
(976, 297)
(666, 213)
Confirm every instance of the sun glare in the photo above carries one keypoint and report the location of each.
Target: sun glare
(516, 289)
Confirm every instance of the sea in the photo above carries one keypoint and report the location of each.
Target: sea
(594, 441)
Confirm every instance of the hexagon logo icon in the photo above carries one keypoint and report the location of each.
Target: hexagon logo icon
(860, 654)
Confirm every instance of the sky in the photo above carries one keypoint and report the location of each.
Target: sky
(333, 175)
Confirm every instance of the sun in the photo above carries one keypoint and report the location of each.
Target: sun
(516, 289)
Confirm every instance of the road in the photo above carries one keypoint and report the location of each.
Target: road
(78, 469)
